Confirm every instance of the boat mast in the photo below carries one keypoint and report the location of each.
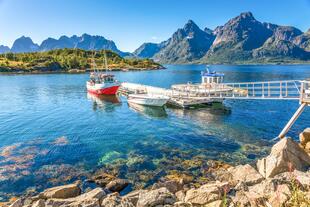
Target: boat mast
(105, 61)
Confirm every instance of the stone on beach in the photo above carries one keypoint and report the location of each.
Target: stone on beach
(284, 153)
(156, 197)
(245, 173)
(65, 191)
(304, 137)
(206, 193)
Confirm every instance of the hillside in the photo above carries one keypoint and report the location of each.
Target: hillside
(66, 60)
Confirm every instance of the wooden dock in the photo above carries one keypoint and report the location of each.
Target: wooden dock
(188, 95)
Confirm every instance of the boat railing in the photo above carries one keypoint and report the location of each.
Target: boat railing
(305, 92)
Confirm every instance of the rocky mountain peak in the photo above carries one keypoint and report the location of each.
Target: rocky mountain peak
(247, 15)
(191, 26)
(24, 44)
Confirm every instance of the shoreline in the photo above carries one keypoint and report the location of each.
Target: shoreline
(78, 72)
(268, 183)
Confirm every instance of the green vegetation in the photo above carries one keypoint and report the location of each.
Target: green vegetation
(70, 60)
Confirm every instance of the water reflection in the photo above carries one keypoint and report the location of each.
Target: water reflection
(208, 113)
(155, 112)
(103, 102)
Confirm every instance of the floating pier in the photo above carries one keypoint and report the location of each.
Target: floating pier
(188, 95)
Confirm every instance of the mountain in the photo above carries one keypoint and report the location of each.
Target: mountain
(148, 50)
(303, 41)
(85, 42)
(281, 45)
(62, 42)
(237, 38)
(24, 44)
(4, 49)
(187, 44)
(243, 39)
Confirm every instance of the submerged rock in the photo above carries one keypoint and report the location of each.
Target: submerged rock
(117, 185)
(283, 154)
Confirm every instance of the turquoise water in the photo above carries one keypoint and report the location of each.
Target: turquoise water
(52, 132)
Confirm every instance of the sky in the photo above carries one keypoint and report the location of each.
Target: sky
(129, 23)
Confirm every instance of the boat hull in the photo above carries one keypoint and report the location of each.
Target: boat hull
(147, 101)
(103, 89)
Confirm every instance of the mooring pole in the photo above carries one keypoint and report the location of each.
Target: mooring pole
(292, 120)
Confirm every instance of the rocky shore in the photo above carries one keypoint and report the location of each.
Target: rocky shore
(280, 179)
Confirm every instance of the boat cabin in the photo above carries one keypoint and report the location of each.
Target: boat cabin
(208, 77)
(102, 77)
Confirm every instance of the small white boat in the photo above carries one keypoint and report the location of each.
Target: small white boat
(148, 99)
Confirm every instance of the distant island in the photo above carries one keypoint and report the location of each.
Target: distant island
(242, 40)
(71, 60)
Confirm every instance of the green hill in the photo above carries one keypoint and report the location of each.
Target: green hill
(70, 60)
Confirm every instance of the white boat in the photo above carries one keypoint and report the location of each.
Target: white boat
(148, 99)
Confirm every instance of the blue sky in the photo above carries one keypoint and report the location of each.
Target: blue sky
(131, 22)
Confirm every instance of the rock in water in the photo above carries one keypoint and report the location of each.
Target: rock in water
(117, 185)
(283, 154)
(160, 196)
(65, 191)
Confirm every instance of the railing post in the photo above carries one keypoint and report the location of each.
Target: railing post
(280, 89)
(263, 90)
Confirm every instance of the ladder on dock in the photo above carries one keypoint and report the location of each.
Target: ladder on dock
(185, 95)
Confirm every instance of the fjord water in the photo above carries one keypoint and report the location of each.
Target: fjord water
(51, 130)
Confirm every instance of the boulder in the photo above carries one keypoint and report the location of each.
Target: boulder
(18, 203)
(206, 193)
(133, 196)
(39, 203)
(117, 185)
(90, 199)
(65, 191)
(264, 188)
(95, 194)
(280, 196)
(172, 185)
(112, 200)
(161, 196)
(218, 203)
(245, 173)
(180, 195)
(283, 154)
(303, 178)
(307, 147)
(247, 199)
(304, 137)
(182, 204)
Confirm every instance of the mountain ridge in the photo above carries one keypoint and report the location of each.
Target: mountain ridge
(85, 42)
(242, 40)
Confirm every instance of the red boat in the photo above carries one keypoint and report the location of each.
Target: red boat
(102, 83)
